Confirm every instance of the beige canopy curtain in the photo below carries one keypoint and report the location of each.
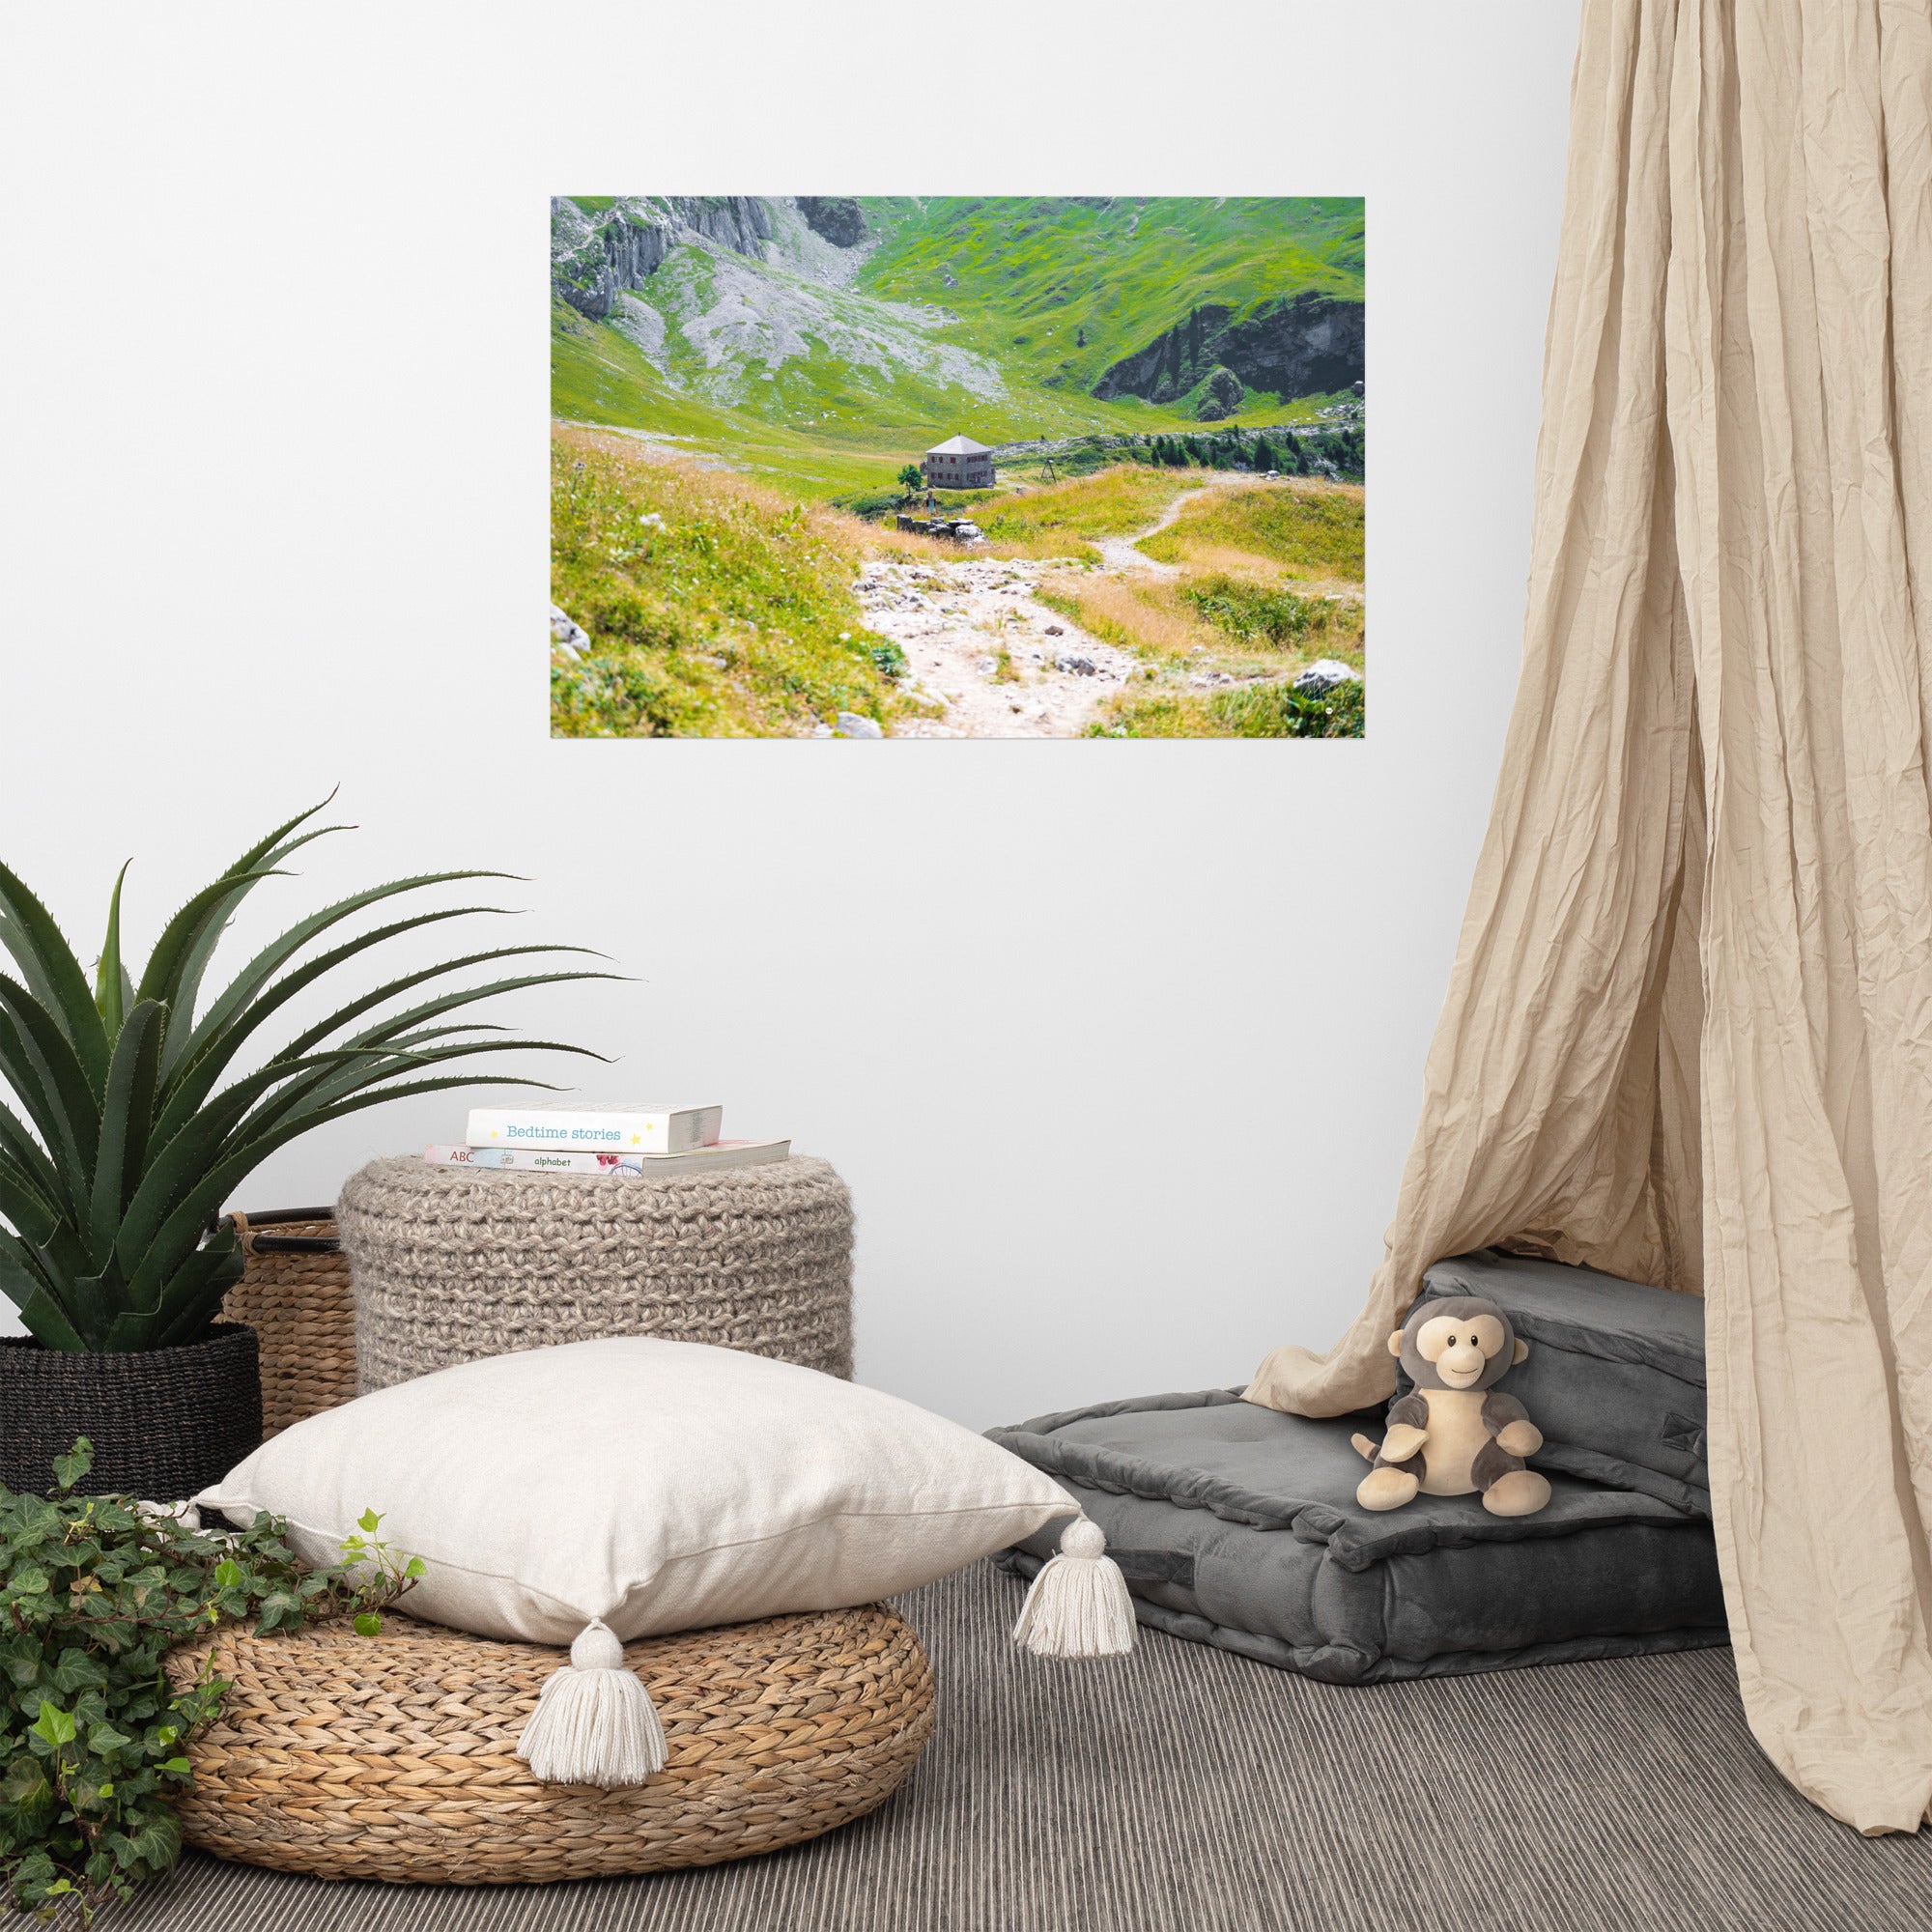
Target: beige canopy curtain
(1689, 1033)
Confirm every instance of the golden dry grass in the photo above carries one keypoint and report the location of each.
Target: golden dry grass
(1309, 529)
(1139, 614)
(1060, 520)
(1230, 561)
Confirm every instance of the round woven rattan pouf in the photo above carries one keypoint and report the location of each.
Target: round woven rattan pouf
(395, 1756)
(452, 1264)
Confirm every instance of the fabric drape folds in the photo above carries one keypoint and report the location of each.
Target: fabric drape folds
(1688, 1031)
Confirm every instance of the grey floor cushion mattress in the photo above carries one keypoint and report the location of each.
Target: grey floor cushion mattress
(1237, 1526)
(1615, 1372)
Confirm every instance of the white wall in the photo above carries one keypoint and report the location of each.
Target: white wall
(1118, 1045)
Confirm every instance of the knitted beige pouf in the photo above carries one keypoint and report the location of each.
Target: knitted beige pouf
(395, 1756)
(453, 1264)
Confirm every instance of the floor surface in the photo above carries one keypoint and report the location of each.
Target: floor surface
(1184, 1790)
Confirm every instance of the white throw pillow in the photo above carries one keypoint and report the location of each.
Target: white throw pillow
(643, 1485)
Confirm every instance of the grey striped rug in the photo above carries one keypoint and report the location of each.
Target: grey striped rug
(1188, 1791)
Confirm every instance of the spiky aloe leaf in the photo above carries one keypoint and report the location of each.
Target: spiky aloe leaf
(23, 1152)
(198, 1144)
(193, 1294)
(127, 1113)
(266, 964)
(178, 1235)
(204, 1063)
(26, 1284)
(123, 1150)
(443, 1003)
(161, 979)
(321, 1090)
(110, 977)
(34, 1219)
(48, 964)
(195, 939)
(41, 1065)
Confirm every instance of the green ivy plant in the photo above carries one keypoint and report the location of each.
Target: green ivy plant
(129, 1127)
(93, 1593)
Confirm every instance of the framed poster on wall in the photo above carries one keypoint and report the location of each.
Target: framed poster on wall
(956, 467)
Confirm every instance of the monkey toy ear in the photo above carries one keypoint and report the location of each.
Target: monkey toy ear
(1395, 1343)
(1521, 1354)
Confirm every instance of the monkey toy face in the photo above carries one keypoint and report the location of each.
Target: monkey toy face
(1457, 1342)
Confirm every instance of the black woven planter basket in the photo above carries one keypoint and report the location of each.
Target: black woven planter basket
(164, 1423)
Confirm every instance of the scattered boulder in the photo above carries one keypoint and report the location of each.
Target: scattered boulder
(852, 725)
(1072, 661)
(1322, 676)
(567, 635)
(837, 217)
(1054, 631)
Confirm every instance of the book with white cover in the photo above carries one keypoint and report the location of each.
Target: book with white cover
(541, 1160)
(620, 1129)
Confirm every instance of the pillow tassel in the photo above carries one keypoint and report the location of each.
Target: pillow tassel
(1079, 1605)
(594, 1722)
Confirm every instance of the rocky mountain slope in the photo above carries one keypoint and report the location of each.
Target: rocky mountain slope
(1305, 345)
(881, 323)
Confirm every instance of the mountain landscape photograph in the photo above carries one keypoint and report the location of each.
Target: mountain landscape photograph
(861, 467)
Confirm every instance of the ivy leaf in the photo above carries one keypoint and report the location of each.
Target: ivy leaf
(53, 1724)
(84, 1795)
(155, 1845)
(25, 1783)
(93, 1597)
(70, 1468)
(22, 1661)
(368, 1624)
(416, 1567)
(75, 1670)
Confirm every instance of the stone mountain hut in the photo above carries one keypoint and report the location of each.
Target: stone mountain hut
(960, 464)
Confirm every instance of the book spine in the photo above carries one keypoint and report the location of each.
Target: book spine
(668, 1130)
(536, 1160)
(614, 1133)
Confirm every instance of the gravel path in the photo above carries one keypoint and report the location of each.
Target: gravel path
(1124, 553)
(954, 619)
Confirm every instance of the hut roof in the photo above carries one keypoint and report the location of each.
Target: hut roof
(959, 446)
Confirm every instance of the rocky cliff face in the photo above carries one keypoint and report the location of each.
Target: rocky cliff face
(837, 217)
(594, 258)
(1309, 346)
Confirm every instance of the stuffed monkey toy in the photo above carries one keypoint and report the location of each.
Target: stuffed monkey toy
(1456, 1434)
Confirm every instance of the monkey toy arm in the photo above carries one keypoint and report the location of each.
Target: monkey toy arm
(1408, 1429)
(1508, 1421)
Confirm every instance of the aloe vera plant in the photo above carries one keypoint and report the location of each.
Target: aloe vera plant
(123, 1141)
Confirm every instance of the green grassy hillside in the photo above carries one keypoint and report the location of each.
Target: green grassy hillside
(715, 609)
(828, 367)
(1028, 277)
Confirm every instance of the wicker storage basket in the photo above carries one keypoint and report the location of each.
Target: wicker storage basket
(457, 1262)
(395, 1756)
(296, 1296)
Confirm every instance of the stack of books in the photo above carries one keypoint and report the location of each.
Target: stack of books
(603, 1140)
